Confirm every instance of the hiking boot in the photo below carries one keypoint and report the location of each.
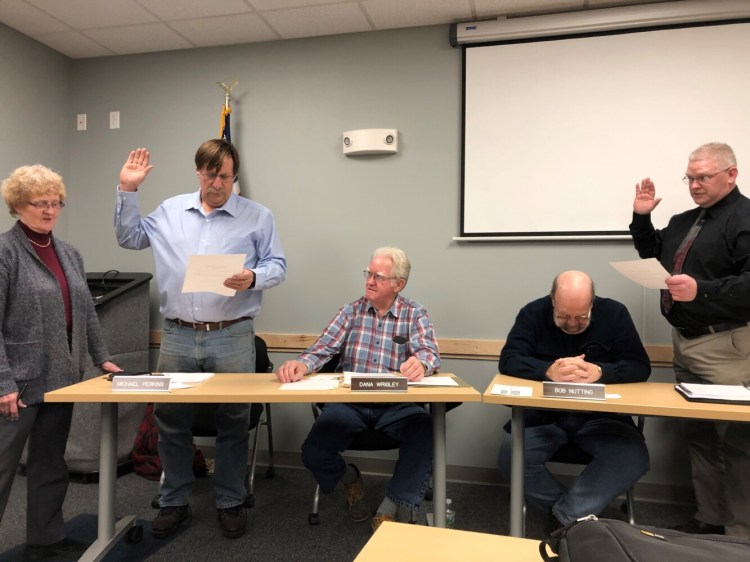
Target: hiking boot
(378, 520)
(169, 520)
(356, 503)
(232, 520)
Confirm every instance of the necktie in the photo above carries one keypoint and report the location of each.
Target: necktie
(679, 257)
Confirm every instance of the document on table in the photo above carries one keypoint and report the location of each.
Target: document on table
(186, 380)
(729, 393)
(434, 381)
(507, 390)
(207, 273)
(315, 382)
(649, 273)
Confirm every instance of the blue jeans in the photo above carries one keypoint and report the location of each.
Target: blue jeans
(231, 350)
(619, 459)
(339, 424)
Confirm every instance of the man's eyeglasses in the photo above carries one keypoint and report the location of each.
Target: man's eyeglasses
(210, 176)
(704, 179)
(565, 318)
(47, 205)
(378, 277)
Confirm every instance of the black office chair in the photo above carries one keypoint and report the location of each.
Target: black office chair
(368, 440)
(572, 454)
(204, 426)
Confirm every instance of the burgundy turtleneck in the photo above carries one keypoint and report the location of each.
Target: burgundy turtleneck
(45, 249)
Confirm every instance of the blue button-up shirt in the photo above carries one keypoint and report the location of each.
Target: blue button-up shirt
(180, 227)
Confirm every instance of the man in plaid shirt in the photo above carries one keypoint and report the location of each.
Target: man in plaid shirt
(382, 332)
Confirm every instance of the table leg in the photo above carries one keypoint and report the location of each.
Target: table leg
(438, 463)
(108, 532)
(516, 473)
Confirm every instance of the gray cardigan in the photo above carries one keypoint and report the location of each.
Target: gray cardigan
(34, 342)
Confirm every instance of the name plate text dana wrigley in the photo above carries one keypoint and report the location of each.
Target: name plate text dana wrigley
(572, 390)
(143, 383)
(384, 383)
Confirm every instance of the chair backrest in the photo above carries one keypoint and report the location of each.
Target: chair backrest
(262, 360)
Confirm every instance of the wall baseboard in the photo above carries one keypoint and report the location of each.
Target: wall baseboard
(481, 350)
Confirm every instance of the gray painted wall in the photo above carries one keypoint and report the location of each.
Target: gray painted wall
(293, 101)
(35, 94)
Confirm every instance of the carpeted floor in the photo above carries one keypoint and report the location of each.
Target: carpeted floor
(278, 524)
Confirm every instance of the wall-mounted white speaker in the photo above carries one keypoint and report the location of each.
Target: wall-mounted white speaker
(370, 141)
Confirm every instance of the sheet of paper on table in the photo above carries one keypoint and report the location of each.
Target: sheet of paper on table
(507, 390)
(187, 380)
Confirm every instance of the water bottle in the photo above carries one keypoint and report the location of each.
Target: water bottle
(450, 515)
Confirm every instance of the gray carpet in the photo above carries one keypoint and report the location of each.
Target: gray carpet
(278, 525)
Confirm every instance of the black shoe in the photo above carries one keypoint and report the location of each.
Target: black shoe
(233, 521)
(696, 527)
(66, 548)
(168, 520)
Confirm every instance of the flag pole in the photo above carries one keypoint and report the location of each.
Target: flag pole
(225, 132)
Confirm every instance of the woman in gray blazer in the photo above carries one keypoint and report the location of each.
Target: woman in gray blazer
(47, 326)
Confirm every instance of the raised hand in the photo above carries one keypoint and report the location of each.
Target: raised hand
(645, 197)
(135, 169)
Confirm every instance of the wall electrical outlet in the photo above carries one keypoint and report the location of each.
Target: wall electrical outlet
(114, 119)
(81, 122)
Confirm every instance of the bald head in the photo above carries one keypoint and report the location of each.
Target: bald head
(572, 297)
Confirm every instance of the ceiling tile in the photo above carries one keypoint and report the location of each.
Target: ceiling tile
(29, 20)
(85, 14)
(149, 37)
(243, 28)
(492, 8)
(387, 14)
(73, 44)
(318, 20)
(284, 4)
(169, 10)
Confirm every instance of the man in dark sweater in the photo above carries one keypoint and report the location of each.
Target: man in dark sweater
(576, 337)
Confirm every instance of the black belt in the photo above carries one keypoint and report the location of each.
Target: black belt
(208, 326)
(705, 330)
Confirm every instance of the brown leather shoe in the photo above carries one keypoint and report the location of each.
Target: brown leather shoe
(356, 504)
(233, 521)
(696, 527)
(378, 519)
(169, 520)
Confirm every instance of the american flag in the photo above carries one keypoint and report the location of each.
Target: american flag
(225, 133)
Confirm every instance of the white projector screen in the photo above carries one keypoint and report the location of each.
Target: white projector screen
(558, 132)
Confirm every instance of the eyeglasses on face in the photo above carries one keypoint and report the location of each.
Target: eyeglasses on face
(225, 178)
(47, 205)
(565, 318)
(705, 178)
(378, 277)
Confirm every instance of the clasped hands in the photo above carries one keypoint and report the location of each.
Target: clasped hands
(573, 369)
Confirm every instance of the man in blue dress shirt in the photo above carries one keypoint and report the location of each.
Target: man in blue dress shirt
(203, 332)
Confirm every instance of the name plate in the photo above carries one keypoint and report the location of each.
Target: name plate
(141, 384)
(572, 390)
(385, 383)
